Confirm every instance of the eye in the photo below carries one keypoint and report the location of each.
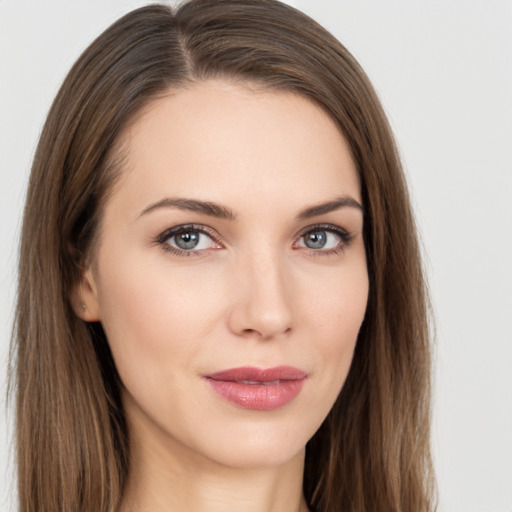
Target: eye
(324, 239)
(187, 240)
(320, 240)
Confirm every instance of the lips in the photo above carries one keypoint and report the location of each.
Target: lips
(256, 388)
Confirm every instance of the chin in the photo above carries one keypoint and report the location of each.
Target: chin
(256, 455)
(257, 444)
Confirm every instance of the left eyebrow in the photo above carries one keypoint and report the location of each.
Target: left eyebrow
(329, 206)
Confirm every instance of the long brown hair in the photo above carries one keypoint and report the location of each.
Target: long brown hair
(372, 452)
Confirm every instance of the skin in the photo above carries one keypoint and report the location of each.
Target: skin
(252, 295)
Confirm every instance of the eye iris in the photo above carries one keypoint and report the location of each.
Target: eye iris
(315, 239)
(187, 239)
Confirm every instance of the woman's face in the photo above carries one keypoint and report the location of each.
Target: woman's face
(230, 273)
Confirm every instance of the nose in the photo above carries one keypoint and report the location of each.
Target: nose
(262, 298)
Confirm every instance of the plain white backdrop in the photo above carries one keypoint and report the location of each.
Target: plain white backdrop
(443, 70)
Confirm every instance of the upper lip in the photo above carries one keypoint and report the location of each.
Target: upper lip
(253, 374)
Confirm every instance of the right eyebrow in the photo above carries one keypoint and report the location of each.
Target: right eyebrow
(193, 205)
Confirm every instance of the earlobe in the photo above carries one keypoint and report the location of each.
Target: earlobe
(85, 298)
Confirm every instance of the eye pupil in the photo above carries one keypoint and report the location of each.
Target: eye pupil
(187, 239)
(315, 239)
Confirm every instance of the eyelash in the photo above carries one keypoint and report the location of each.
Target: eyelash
(169, 233)
(345, 239)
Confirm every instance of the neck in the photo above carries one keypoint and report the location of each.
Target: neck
(169, 477)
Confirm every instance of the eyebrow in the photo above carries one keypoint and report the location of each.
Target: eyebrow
(330, 206)
(223, 212)
(193, 205)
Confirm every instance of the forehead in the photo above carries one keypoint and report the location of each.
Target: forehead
(220, 139)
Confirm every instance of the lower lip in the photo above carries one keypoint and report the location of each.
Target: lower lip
(258, 397)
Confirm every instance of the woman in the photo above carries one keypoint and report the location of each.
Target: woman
(221, 302)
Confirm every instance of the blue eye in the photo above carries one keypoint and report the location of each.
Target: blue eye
(186, 240)
(316, 239)
(320, 240)
(324, 239)
(190, 239)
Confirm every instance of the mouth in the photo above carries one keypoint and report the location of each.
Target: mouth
(256, 388)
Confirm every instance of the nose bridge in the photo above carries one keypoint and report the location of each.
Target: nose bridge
(263, 297)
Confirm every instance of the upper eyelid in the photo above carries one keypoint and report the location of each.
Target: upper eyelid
(323, 226)
(201, 228)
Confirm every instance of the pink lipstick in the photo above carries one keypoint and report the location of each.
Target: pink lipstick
(256, 388)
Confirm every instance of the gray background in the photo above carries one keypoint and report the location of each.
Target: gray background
(443, 70)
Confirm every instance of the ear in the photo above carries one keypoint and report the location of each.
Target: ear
(85, 297)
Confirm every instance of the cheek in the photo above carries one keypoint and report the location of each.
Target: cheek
(337, 301)
(154, 315)
(336, 313)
